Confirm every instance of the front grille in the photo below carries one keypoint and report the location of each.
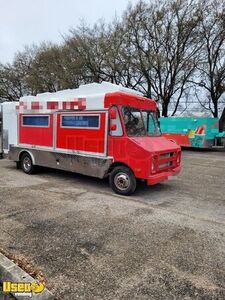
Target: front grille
(166, 160)
(165, 155)
(166, 164)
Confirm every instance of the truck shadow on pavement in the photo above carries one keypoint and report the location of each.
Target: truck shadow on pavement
(99, 185)
(92, 184)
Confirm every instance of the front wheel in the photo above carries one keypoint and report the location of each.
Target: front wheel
(122, 181)
(27, 164)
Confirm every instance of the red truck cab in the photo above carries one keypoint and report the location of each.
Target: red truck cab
(135, 142)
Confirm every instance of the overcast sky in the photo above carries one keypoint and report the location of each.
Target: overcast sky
(24, 22)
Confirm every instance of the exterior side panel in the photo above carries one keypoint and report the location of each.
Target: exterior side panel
(139, 153)
(34, 135)
(83, 164)
(82, 139)
(180, 139)
(123, 150)
(9, 126)
(1, 133)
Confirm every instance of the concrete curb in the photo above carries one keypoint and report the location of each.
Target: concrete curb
(9, 271)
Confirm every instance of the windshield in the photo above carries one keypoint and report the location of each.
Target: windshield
(151, 123)
(140, 122)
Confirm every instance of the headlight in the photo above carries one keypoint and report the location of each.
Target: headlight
(153, 167)
(178, 157)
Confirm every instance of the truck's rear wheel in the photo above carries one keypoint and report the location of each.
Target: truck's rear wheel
(122, 181)
(27, 164)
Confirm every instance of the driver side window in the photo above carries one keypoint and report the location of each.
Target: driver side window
(117, 122)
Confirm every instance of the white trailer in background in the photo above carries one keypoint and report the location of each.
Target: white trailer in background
(1, 139)
(8, 126)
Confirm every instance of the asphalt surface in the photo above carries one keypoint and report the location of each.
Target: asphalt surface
(164, 242)
(3, 296)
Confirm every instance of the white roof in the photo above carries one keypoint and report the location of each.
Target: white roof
(84, 91)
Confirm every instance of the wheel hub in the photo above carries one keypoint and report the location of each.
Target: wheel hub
(122, 181)
(27, 164)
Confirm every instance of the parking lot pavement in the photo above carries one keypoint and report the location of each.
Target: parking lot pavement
(164, 242)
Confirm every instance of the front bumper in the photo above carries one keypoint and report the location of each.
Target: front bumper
(156, 178)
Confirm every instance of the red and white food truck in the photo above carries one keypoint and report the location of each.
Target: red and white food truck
(98, 130)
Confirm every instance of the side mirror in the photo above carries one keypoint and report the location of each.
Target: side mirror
(112, 114)
(113, 127)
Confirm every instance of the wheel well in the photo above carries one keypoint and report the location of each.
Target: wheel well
(26, 152)
(118, 164)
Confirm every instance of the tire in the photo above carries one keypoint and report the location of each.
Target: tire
(122, 181)
(27, 164)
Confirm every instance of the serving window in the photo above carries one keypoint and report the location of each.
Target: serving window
(35, 121)
(80, 121)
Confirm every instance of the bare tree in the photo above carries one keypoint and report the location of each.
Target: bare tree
(162, 49)
(164, 35)
(13, 77)
(86, 46)
(47, 69)
(210, 73)
(11, 86)
(102, 53)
